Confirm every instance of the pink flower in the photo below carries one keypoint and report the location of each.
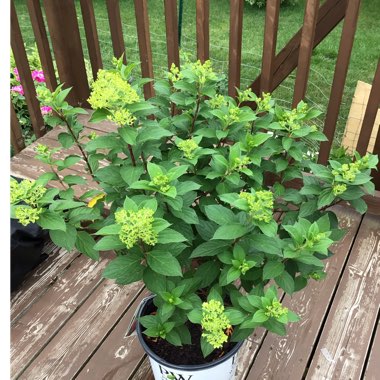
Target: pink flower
(18, 89)
(38, 76)
(46, 110)
(15, 70)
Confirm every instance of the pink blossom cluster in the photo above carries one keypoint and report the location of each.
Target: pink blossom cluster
(18, 89)
(46, 110)
(38, 76)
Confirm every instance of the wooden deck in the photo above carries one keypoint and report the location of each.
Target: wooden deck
(69, 323)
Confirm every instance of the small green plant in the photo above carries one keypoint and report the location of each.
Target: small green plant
(193, 197)
(262, 3)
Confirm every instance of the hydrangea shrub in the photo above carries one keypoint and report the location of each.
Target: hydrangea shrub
(190, 188)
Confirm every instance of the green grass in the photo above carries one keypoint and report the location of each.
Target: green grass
(364, 58)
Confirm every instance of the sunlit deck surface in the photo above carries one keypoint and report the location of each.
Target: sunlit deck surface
(70, 323)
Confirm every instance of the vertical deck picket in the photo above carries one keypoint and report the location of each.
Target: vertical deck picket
(26, 80)
(171, 21)
(143, 36)
(306, 50)
(370, 113)
(17, 140)
(340, 74)
(203, 33)
(38, 25)
(64, 32)
(269, 47)
(114, 18)
(235, 43)
(92, 38)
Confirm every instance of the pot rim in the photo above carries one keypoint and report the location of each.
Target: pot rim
(184, 367)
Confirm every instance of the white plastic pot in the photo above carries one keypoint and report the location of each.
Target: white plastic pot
(220, 369)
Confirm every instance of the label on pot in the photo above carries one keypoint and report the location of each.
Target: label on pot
(222, 371)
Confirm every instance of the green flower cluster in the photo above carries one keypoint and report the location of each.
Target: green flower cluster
(111, 91)
(203, 71)
(122, 117)
(276, 310)
(44, 95)
(188, 147)
(26, 191)
(349, 171)
(44, 151)
(290, 120)
(264, 103)
(240, 163)
(315, 239)
(174, 74)
(93, 135)
(232, 116)
(260, 204)
(162, 182)
(217, 101)
(135, 226)
(246, 95)
(244, 267)
(27, 215)
(339, 188)
(214, 322)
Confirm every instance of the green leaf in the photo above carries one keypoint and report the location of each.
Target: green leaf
(325, 198)
(275, 327)
(125, 269)
(195, 316)
(266, 244)
(272, 269)
(71, 179)
(268, 229)
(259, 317)
(66, 140)
(207, 273)
(128, 134)
(164, 263)
(258, 139)
(60, 205)
(109, 243)
(206, 347)
(110, 175)
(131, 174)
(308, 208)
(286, 282)
(229, 232)
(65, 239)
(235, 316)
(152, 133)
(209, 248)
(50, 220)
(173, 338)
(85, 243)
(104, 142)
(170, 236)
(99, 115)
(112, 229)
(359, 205)
(220, 214)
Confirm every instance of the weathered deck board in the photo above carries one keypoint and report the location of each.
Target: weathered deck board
(70, 349)
(289, 354)
(40, 280)
(345, 340)
(372, 371)
(119, 356)
(48, 314)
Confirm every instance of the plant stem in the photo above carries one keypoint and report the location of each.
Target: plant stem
(196, 112)
(132, 155)
(143, 159)
(58, 176)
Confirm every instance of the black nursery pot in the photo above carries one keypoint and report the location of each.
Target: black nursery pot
(221, 369)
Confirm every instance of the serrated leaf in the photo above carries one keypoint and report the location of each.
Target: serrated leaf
(85, 244)
(164, 263)
(125, 269)
(273, 269)
(50, 220)
(230, 232)
(65, 239)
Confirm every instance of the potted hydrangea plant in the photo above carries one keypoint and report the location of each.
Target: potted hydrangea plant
(190, 192)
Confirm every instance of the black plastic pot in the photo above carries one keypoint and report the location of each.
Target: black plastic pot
(221, 369)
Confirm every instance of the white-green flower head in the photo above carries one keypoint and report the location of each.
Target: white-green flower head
(214, 323)
(135, 226)
(26, 191)
(260, 204)
(188, 147)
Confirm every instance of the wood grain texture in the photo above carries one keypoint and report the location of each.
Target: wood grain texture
(346, 335)
(17, 140)
(289, 355)
(79, 338)
(89, 23)
(26, 80)
(171, 22)
(202, 28)
(372, 370)
(64, 33)
(306, 50)
(235, 43)
(269, 45)
(340, 74)
(44, 318)
(145, 48)
(40, 280)
(144, 371)
(119, 356)
(39, 30)
(114, 18)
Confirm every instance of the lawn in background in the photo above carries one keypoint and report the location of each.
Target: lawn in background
(364, 57)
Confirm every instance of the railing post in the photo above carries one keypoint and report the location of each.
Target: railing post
(64, 32)
(26, 80)
(203, 38)
(17, 140)
(171, 21)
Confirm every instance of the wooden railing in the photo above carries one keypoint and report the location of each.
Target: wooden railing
(63, 29)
